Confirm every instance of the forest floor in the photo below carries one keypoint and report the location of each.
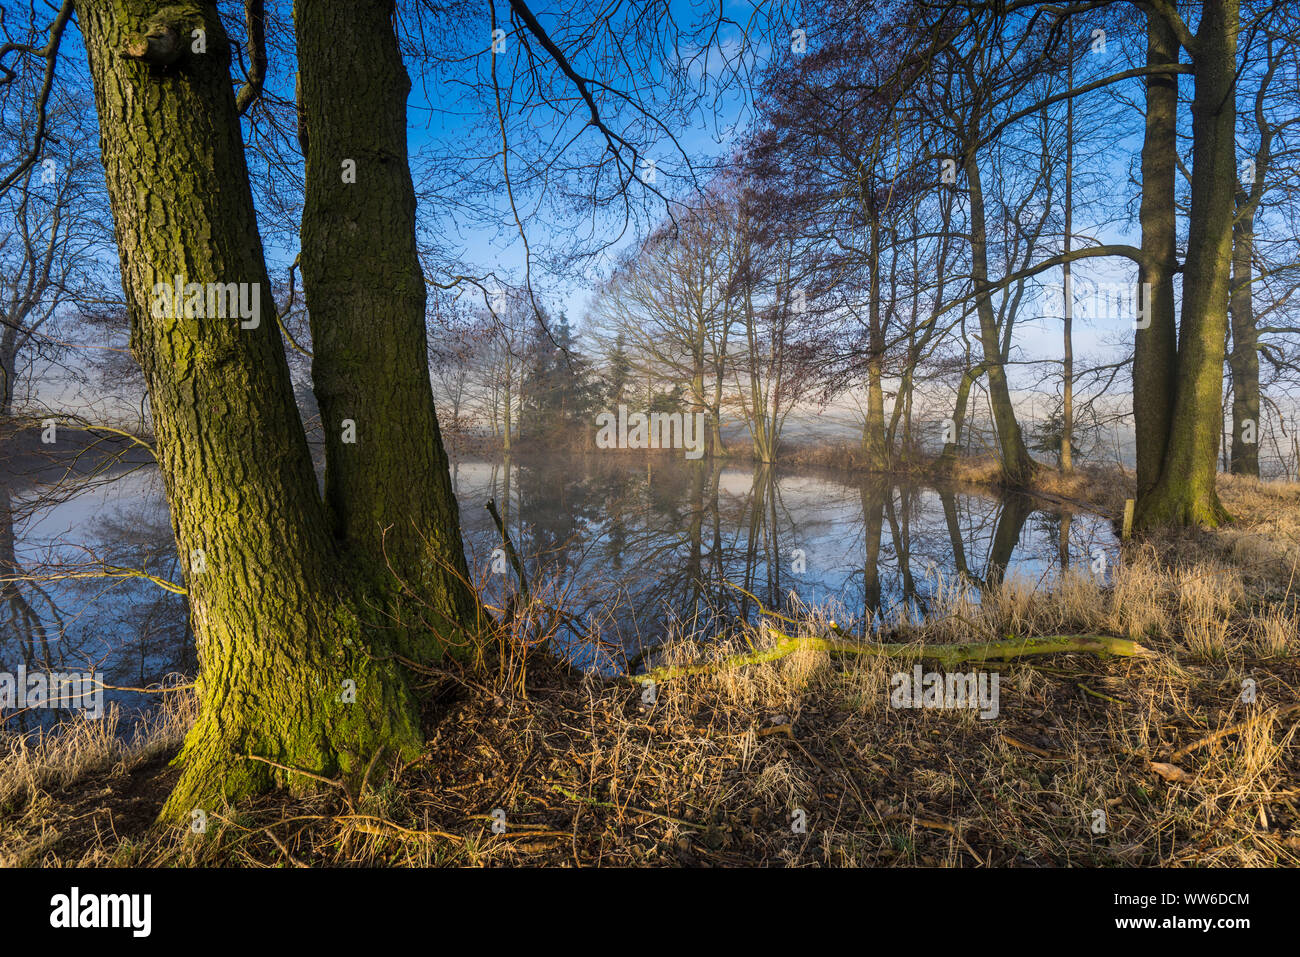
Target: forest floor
(1185, 755)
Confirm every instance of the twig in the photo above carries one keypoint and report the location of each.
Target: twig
(283, 850)
(1024, 746)
(509, 546)
(306, 774)
(1097, 694)
(368, 823)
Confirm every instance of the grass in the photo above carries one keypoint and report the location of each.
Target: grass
(1185, 757)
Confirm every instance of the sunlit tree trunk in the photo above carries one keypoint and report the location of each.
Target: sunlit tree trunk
(283, 633)
(366, 299)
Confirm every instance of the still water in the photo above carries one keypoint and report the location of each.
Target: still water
(633, 548)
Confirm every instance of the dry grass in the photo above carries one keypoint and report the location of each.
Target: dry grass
(46, 774)
(719, 767)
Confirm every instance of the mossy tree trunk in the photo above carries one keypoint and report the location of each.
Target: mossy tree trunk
(1185, 493)
(280, 626)
(366, 297)
(1155, 348)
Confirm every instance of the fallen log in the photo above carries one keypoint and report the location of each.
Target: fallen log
(947, 654)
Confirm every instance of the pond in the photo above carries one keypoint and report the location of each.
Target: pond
(632, 546)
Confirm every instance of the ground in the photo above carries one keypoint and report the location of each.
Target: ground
(1186, 755)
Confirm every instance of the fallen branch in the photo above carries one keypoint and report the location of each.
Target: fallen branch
(368, 824)
(947, 654)
(1224, 732)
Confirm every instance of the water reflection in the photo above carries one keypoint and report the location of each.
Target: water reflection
(639, 545)
(630, 546)
(73, 606)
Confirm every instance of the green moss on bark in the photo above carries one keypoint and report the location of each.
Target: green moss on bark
(281, 620)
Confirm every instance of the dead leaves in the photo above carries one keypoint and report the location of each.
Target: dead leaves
(1172, 772)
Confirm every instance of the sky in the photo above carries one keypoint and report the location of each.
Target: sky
(441, 118)
(713, 133)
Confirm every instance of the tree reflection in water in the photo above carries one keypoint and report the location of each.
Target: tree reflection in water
(634, 547)
(641, 545)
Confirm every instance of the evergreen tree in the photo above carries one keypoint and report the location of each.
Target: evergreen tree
(559, 395)
(620, 371)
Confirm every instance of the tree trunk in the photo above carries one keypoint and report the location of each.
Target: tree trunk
(1244, 360)
(1067, 332)
(949, 502)
(366, 298)
(1017, 466)
(8, 371)
(1185, 492)
(1155, 347)
(873, 518)
(874, 451)
(278, 625)
(715, 414)
(1016, 509)
(968, 378)
(507, 416)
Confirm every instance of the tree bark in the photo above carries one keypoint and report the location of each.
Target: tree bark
(1244, 360)
(873, 516)
(366, 298)
(948, 458)
(1017, 466)
(1155, 348)
(874, 451)
(1067, 332)
(280, 629)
